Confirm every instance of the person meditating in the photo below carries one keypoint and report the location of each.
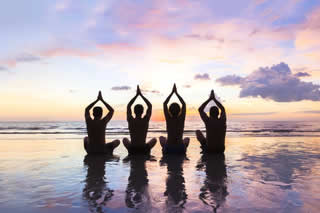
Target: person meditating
(175, 118)
(215, 127)
(138, 127)
(95, 142)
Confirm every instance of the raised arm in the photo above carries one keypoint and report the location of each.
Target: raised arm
(221, 107)
(183, 109)
(129, 112)
(204, 115)
(88, 108)
(165, 105)
(149, 105)
(108, 117)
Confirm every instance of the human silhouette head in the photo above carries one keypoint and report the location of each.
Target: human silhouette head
(97, 112)
(174, 109)
(214, 112)
(138, 110)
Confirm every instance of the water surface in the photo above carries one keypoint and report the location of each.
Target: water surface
(51, 173)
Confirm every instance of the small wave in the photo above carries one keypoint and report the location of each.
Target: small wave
(28, 128)
(273, 130)
(74, 128)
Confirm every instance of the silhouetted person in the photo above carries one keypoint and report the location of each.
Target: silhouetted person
(215, 127)
(175, 183)
(175, 118)
(137, 193)
(95, 190)
(95, 142)
(214, 190)
(138, 127)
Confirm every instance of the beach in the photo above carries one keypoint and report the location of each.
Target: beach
(267, 167)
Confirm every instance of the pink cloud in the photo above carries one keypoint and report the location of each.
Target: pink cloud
(119, 47)
(309, 32)
(67, 52)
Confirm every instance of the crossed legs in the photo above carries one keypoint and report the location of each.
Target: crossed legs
(107, 149)
(204, 144)
(201, 139)
(150, 144)
(163, 141)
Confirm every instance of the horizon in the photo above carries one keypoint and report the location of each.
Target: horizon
(260, 57)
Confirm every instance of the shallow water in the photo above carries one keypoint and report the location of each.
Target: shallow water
(257, 174)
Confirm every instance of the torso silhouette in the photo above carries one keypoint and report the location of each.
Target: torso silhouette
(175, 127)
(138, 128)
(96, 133)
(216, 133)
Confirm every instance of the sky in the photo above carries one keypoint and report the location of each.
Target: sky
(261, 57)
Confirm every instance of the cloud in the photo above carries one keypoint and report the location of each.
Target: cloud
(62, 5)
(230, 80)
(3, 69)
(204, 77)
(276, 83)
(53, 52)
(21, 58)
(256, 113)
(120, 47)
(151, 91)
(300, 69)
(207, 37)
(259, 2)
(302, 74)
(307, 35)
(311, 112)
(168, 61)
(119, 88)
(27, 57)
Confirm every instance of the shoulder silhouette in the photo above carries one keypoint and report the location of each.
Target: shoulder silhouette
(215, 127)
(138, 127)
(95, 142)
(175, 118)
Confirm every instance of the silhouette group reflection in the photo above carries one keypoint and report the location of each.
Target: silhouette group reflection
(137, 193)
(214, 189)
(175, 183)
(96, 191)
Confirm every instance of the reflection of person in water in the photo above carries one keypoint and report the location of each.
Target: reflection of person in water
(96, 191)
(175, 184)
(137, 193)
(214, 190)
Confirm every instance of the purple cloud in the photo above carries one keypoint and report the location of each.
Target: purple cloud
(26, 57)
(207, 37)
(3, 68)
(302, 74)
(256, 113)
(204, 77)
(230, 80)
(119, 88)
(276, 83)
(311, 112)
(150, 91)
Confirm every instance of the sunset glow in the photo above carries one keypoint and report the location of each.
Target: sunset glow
(261, 57)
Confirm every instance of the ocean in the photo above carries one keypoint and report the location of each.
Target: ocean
(77, 129)
(268, 166)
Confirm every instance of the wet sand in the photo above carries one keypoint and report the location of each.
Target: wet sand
(256, 175)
